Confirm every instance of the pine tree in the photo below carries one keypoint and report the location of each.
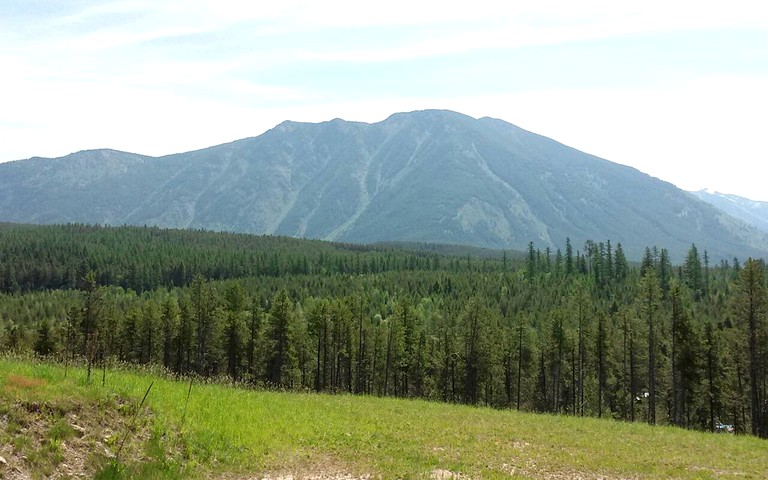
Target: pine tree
(580, 306)
(620, 263)
(609, 273)
(714, 374)
(203, 311)
(692, 272)
(234, 306)
(648, 262)
(629, 364)
(684, 358)
(665, 272)
(650, 295)
(282, 358)
(530, 270)
(409, 360)
(706, 272)
(360, 381)
(750, 305)
(317, 323)
(90, 318)
(601, 349)
(170, 329)
(254, 339)
(476, 322)
(44, 344)
(150, 323)
(555, 366)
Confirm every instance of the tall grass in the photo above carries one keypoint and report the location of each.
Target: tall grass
(228, 429)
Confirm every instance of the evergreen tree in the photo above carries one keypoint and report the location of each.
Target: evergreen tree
(580, 306)
(609, 272)
(620, 263)
(45, 343)
(648, 304)
(148, 332)
(558, 262)
(476, 348)
(92, 305)
(750, 306)
(409, 361)
(664, 272)
(185, 339)
(254, 349)
(360, 382)
(684, 359)
(530, 269)
(170, 330)
(714, 375)
(282, 359)
(692, 272)
(601, 350)
(706, 272)
(234, 306)
(648, 262)
(318, 320)
(203, 310)
(629, 363)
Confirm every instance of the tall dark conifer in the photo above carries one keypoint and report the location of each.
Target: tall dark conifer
(648, 303)
(281, 360)
(750, 305)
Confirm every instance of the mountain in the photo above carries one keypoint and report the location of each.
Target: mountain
(425, 176)
(750, 211)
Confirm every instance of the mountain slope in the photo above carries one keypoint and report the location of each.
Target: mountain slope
(427, 176)
(750, 211)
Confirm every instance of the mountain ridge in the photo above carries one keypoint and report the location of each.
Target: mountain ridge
(753, 212)
(425, 176)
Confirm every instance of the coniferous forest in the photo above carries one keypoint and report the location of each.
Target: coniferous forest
(577, 331)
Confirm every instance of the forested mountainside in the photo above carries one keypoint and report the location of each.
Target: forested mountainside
(578, 330)
(749, 211)
(35, 258)
(428, 176)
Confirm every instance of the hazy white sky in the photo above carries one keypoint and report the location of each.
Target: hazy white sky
(676, 89)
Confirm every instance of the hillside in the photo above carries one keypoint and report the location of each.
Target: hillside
(58, 426)
(307, 315)
(427, 176)
(749, 211)
(49, 257)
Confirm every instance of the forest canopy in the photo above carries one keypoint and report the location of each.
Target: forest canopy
(578, 331)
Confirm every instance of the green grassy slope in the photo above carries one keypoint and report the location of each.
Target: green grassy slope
(234, 433)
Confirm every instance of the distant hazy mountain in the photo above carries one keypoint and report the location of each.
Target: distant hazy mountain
(750, 211)
(427, 176)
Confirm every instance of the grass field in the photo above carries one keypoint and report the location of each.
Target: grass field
(232, 433)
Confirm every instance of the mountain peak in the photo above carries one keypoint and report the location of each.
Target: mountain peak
(423, 176)
(429, 115)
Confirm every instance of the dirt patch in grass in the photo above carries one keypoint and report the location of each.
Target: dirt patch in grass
(65, 438)
(313, 476)
(309, 466)
(20, 382)
(529, 469)
(442, 474)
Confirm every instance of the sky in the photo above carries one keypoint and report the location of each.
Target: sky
(678, 90)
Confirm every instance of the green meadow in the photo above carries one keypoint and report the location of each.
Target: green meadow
(222, 431)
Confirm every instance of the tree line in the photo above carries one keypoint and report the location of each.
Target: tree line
(35, 258)
(578, 332)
